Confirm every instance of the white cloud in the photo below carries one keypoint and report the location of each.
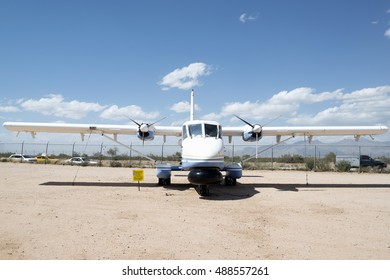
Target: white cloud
(182, 107)
(245, 17)
(284, 103)
(55, 105)
(9, 109)
(133, 112)
(303, 95)
(387, 33)
(368, 106)
(185, 78)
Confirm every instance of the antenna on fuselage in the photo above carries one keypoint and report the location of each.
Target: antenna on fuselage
(192, 106)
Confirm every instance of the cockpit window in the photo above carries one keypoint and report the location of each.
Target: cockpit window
(184, 133)
(195, 130)
(211, 130)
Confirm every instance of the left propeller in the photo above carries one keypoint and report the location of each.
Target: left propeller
(145, 130)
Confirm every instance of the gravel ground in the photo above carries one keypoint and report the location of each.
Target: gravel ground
(69, 212)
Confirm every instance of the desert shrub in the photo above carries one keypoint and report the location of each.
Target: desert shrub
(323, 165)
(291, 159)
(115, 163)
(309, 163)
(331, 157)
(343, 166)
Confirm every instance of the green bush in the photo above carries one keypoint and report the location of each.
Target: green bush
(115, 164)
(323, 165)
(291, 159)
(343, 166)
(309, 163)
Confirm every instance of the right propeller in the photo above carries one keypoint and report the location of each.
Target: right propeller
(254, 134)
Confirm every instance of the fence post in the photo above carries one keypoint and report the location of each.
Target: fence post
(21, 159)
(162, 152)
(360, 153)
(131, 159)
(233, 152)
(101, 155)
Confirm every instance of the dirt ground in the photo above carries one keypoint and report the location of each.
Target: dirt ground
(69, 212)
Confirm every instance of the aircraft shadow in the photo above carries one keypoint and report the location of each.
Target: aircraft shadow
(97, 184)
(316, 187)
(220, 192)
(217, 192)
(237, 192)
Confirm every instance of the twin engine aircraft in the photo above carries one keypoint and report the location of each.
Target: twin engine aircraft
(201, 143)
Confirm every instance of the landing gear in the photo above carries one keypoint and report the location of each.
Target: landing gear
(230, 181)
(164, 181)
(203, 190)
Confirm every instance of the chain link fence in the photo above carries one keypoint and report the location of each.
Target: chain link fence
(283, 156)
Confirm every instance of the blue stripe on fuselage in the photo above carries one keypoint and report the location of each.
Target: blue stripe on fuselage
(189, 163)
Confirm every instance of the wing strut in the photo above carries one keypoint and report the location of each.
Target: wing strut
(270, 147)
(128, 147)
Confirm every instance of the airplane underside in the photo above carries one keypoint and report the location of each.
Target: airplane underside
(201, 177)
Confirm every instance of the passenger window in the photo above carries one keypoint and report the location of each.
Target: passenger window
(211, 130)
(195, 130)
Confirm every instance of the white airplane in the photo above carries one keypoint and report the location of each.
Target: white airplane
(202, 143)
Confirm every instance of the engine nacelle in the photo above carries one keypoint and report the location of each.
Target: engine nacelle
(145, 136)
(251, 136)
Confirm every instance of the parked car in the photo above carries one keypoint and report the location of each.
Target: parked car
(45, 159)
(80, 161)
(22, 158)
(362, 161)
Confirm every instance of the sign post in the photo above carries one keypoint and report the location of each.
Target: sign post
(138, 176)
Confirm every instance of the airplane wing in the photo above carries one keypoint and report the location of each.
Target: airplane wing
(309, 131)
(87, 128)
(84, 129)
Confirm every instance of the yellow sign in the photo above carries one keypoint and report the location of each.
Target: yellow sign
(138, 175)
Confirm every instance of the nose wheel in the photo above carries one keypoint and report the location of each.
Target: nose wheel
(203, 190)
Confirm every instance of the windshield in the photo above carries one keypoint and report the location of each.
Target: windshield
(204, 130)
(195, 130)
(211, 130)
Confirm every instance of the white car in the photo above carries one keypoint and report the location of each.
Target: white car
(22, 158)
(80, 161)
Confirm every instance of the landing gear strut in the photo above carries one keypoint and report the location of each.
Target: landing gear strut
(203, 190)
(164, 181)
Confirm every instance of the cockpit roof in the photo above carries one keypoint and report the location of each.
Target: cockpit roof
(201, 121)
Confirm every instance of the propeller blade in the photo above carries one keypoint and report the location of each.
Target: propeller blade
(135, 122)
(157, 121)
(251, 125)
(278, 117)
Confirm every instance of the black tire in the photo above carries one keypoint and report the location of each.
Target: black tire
(203, 190)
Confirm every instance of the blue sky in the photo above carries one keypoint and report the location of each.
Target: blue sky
(309, 62)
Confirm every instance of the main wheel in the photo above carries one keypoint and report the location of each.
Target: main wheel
(203, 190)
(164, 181)
(230, 181)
